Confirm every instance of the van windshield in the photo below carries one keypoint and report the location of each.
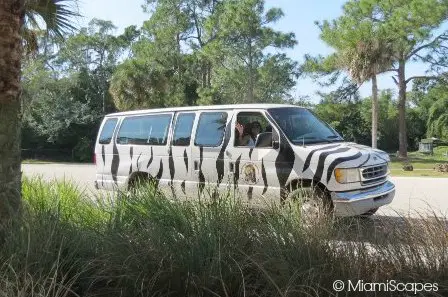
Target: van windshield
(301, 126)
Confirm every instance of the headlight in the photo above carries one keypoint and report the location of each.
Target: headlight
(346, 175)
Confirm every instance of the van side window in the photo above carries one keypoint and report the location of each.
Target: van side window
(182, 130)
(248, 126)
(211, 129)
(144, 130)
(108, 131)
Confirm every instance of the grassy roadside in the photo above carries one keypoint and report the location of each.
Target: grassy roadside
(34, 161)
(423, 164)
(418, 173)
(143, 244)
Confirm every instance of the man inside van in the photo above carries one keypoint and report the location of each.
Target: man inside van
(248, 134)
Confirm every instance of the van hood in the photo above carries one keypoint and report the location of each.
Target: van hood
(341, 154)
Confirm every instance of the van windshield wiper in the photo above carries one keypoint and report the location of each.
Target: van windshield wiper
(335, 137)
(315, 140)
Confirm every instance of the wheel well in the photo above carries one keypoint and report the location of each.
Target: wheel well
(137, 177)
(299, 183)
(307, 183)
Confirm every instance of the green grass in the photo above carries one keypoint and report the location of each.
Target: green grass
(35, 161)
(423, 164)
(418, 173)
(142, 244)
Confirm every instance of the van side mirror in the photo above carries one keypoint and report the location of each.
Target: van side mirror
(264, 140)
(275, 144)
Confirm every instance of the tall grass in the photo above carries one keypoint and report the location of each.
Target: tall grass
(143, 244)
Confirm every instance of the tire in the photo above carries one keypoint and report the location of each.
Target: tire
(370, 212)
(139, 180)
(314, 202)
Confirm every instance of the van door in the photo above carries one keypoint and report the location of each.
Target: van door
(210, 162)
(180, 153)
(253, 167)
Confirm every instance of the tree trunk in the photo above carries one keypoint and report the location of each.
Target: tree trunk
(402, 137)
(11, 12)
(209, 74)
(250, 98)
(374, 112)
(204, 73)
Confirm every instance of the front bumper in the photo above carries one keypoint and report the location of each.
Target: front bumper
(358, 202)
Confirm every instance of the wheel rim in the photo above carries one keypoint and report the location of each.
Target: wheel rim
(310, 205)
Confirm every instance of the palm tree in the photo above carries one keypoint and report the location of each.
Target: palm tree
(10, 56)
(16, 17)
(364, 62)
(56, 15)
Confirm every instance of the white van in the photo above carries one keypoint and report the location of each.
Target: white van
(262, 151)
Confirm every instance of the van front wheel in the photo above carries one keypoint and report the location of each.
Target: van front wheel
(313, 202)
(370, 212)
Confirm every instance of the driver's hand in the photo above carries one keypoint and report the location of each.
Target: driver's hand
(240, 129)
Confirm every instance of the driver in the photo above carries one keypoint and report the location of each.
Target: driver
(248, 134)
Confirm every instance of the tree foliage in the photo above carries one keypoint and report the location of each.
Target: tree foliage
(405, 32)
(353, 117)
(431, 99)
(56, 15)
(411, 26)
(65, 88)
(192, 52)
(50, 17)
(438, 119)
(244, 71)
(345, 117)
(206, 52)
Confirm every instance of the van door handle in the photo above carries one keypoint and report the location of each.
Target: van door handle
(196, 165)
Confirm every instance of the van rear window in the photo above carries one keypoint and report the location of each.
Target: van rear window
(145, 130)
(108, 131)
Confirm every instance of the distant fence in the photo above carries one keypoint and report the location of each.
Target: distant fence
(64, 155)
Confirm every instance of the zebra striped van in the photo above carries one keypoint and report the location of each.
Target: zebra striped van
(261, 151)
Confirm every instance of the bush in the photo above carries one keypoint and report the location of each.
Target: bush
(83, 151)
(441, 167)
(408, 167)
(143, 244)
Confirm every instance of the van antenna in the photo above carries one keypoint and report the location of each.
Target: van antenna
(303, 140)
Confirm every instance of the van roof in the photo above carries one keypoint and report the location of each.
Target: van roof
(203, 107)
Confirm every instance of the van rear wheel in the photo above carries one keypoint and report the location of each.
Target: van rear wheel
(139, 180)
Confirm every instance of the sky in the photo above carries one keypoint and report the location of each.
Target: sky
(299, 18)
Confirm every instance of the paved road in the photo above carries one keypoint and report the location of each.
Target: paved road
(81, 174)
(413, 194)
(416, 195)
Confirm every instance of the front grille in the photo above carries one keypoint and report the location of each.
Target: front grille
(374, 174)
(373, 181)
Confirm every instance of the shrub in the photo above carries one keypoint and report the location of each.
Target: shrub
(143, 244)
